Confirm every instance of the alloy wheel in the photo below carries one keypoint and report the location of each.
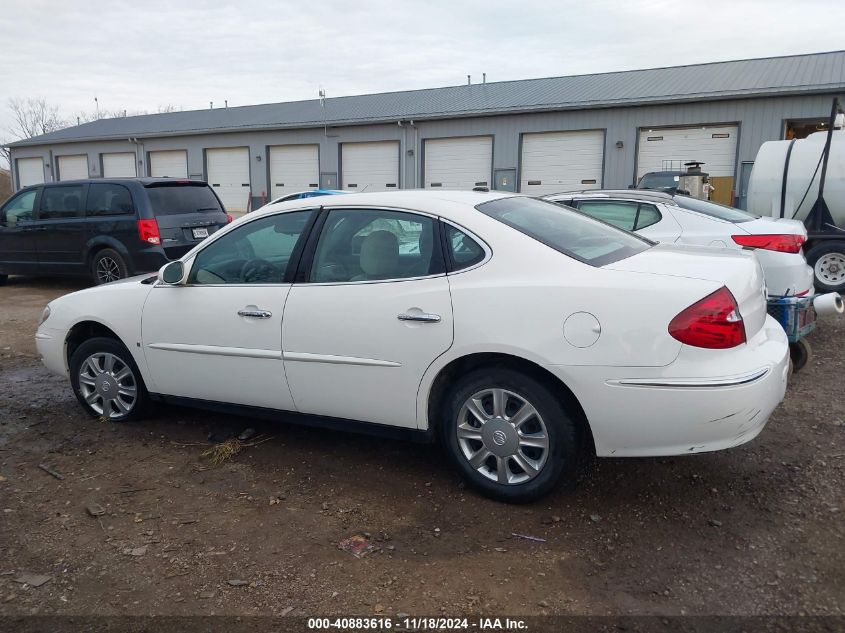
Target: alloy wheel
(107, 270)
(502, 436)
(108, 385)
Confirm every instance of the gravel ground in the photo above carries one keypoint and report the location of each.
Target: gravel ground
(755, 530)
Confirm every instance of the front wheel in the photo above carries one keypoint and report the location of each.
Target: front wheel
(106, 380)
(509, 435)
(828, 262)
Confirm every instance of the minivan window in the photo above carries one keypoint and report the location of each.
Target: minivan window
(566, 230)
(19, 208)
(108, 199)
(173, 198)
(61, 202)
(715, 210)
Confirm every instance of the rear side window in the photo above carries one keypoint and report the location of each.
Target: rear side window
(61, 202)
(565, 230)
(107, 199)
(463, 250)
(627, 215)
(19, 208)
(714, 210)
(176, 198)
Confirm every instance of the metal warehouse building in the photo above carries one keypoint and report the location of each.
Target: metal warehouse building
(535, 136)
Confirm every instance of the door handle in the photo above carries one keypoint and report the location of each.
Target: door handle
(422, 316)
(255, 314)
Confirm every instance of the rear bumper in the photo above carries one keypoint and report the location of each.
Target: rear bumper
(786, 273)
(706, 400)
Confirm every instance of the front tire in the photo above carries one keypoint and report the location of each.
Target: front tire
(509, 435)
(106, 381)
(828, 262)
(108, 266)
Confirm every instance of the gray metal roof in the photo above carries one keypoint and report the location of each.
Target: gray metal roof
(818, 72)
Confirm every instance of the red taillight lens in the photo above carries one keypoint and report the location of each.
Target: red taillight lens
(713, 323)
(148, 231)
(781, 243)
(229, 219)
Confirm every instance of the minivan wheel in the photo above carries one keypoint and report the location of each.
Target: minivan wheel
(509, 435)
(108, 266)
(106, 380)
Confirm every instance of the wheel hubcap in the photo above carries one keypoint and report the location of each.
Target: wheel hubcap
(107, 269)
(502, 436)
(830, 268)
(108, 385)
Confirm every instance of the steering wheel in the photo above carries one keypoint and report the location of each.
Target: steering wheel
(260, 270)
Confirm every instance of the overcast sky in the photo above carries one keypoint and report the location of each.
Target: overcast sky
(142, 55)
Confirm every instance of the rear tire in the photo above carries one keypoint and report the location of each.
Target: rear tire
(107, 266)
(106, 381)
(481, 416)
(828, 262)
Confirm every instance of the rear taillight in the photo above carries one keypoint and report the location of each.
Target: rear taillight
(714, 322)
(781, 243)
(148, 231)
(229, 219)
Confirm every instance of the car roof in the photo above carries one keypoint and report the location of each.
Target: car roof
(145, 181)
(619, 194)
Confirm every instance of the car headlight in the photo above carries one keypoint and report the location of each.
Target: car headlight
(44, 315)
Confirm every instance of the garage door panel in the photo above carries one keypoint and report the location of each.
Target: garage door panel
(557, 161)
(169, 164)
(228, 175)
(458, 163)
(119, 165)
(370, 166)
(30, 171)
(293, 168)
(73, 167)
(715, 146)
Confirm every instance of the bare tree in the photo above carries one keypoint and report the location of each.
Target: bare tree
(30, 117)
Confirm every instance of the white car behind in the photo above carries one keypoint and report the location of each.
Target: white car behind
(679, 219)
(519, 333)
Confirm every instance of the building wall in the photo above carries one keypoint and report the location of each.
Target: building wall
(759, 119)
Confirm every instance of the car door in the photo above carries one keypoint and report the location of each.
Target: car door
(61, 232)
(640, 217)
(17, 233)
(217, 336)
(373, 311)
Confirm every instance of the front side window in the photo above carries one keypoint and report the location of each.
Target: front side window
(258, 252)
(565, 230)
(368, 245)
(61, 202)
(107, 199)
(19, 208)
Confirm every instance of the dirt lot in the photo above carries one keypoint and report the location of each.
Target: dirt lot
(755, 530)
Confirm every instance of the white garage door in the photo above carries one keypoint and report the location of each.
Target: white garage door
(669, 148)
(228, 175)
(561, 161)
(30, 171)
(458, 163)
(293, 168)
(370, 166)
(119, 165)
(73, 167)
(169, 164)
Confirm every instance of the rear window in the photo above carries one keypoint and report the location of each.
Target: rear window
(715, 210)
(174, 198)
(566, 230)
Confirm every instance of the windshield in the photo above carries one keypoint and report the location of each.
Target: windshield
(715, 210)
(173, 198)
(566, 230)
(659, 181)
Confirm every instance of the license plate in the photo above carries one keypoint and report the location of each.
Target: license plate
(200, 233)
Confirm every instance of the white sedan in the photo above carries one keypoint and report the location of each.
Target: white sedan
(518, 332)
(679, 219)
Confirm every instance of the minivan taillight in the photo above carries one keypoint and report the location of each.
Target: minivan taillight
(148, 231)
(782, 243)
(712, 323)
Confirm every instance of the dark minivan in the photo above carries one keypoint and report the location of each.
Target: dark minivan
(109, 228)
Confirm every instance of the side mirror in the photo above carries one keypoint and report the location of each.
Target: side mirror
(171, 273)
